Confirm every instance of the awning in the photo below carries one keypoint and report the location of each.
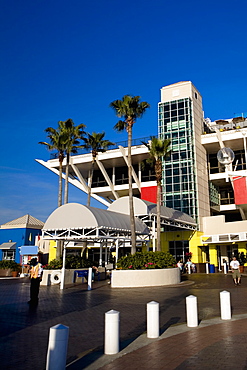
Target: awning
(28, 250)
(9, 245)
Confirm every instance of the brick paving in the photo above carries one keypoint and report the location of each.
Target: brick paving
(24, 332)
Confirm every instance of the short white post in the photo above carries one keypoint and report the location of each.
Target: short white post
(153, 319)
(191, 310)
(57, 347)
(207, 268)
(111, 332)
(189, 269)
(89, 278)
(225, 268)
(225, 305)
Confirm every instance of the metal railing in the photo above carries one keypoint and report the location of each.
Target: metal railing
(135, 142)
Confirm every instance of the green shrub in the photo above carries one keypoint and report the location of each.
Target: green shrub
(10, 264)
(71, 262)
(146, 260)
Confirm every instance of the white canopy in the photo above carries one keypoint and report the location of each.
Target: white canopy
(75, 221)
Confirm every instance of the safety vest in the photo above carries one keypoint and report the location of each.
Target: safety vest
(34, 273)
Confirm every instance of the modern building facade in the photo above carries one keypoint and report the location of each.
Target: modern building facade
(194, 181)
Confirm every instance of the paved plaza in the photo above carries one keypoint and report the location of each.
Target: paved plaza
(214, 343)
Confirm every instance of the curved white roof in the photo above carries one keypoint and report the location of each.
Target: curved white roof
(78, 216)
(143, 207)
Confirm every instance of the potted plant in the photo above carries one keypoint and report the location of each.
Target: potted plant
(15, 269)
(7, 268)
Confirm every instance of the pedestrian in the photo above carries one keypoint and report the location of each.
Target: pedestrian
(35, 278)
(189, 266)
(235, 271)
(180, 265)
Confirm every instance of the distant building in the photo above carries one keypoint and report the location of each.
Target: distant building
(16, 233)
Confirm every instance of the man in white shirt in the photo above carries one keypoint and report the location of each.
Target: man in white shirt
(235, 271)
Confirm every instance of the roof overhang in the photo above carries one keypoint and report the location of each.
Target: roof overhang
(9, 245)
(28, 250)
(147, 212)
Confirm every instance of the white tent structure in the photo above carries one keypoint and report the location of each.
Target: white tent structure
(79, 223)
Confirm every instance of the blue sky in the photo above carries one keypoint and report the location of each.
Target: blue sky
(70, 59)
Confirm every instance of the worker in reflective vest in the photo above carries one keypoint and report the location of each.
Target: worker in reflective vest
(35, 277)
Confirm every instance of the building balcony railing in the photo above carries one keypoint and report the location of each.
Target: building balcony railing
(135, 142)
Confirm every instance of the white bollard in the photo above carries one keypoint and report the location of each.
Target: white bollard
(191, 309)
(189, 269)
(111, 332)
(57, 347)
(153, 320)
(207, 268)
(89, 280)
(225, 305)
(225, 268)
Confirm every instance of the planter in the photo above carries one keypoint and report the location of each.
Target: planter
(14, 273)
(145, 278)
(5, 272)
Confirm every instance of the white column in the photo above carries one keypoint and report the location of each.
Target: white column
(100, 254)
(225, 305)
(117, 246)
(111, 332)
(63, 268)
(153, 233)
(105, 253)
(57, 347)
(207, 268)
(191, 310)
(152, 319)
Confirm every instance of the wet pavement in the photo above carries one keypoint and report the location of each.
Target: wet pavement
(24, 331)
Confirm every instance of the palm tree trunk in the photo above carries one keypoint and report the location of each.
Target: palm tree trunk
(90, 180)
(66, 186)
(60, 183)
(131, 204)
(158, 216)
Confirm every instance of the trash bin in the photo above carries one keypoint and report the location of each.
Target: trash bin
(211, 269)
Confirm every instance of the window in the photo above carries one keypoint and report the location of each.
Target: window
(8, 254)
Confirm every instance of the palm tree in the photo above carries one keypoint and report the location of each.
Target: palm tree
(72, 136)
(158, 149)
(129, 109)
(96, 143)
(57, 142)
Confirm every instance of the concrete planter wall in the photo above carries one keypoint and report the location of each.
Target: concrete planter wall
(48, 276)
(5, 272)
(144, 278)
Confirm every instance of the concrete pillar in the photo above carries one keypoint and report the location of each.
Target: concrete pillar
(191, 311)
(89, 280)
(225, 305)
(111, 332)
(152, 319)
(57, 347)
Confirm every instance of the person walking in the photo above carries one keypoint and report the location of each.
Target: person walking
(35, 278)
(235, 271)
